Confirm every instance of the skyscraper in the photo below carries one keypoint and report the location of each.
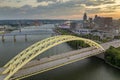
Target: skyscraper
(85, 23)
(85, 17)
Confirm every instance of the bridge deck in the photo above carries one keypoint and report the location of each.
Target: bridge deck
(2, 76)
(115, 43)
(1, 70)
(55, 57)
(53, 62)
(45, 64)
(48, 63)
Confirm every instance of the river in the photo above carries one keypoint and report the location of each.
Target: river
(87, 69)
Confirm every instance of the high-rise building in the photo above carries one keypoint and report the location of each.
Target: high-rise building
(85, 21)
(85, 17)
(103, 21)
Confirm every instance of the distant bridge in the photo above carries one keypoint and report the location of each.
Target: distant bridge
(24, 34)
(20, 66)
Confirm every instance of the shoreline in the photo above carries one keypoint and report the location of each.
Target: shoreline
(108, 63)
(56, 31)
(114, 66)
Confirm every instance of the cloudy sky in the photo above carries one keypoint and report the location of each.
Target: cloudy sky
(57, 9)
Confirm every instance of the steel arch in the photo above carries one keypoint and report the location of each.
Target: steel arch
(38, 48)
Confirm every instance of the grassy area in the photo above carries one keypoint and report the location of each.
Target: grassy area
(74, 44)
(117, 37)
(112, 55)
(78, 44)
(2, 32)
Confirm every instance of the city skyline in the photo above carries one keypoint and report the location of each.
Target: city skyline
(58, 9)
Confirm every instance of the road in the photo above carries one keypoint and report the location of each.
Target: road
(52, 62)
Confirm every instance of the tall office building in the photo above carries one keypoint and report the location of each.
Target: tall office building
(85, 22)
(85, 17)
(103, 21)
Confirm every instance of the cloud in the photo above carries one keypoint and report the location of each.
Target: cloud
(54, 8)
(36, 3)
(51, 11)
(62, 1)
(47, 0)
(113, 7)
(95, 2)
(104, 9)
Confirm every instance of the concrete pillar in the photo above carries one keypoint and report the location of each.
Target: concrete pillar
(3, 39)
(20, 30)
(101, 56)
(14, 37)
(25, 37)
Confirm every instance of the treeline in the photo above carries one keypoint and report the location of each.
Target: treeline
(77, 44)
(112, 55)
(88, 36)
(73, 44)
(116, 37)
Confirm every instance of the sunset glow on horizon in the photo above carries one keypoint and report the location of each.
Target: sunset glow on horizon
(58, 9)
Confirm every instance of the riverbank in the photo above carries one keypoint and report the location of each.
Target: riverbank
(112, 65)
(2, 32)
(105, 61)
(74, 44)
(112, 56)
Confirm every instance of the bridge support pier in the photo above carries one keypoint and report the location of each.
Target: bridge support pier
(101, 56)
(3, 39)
(25, 37)
(14, 38)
